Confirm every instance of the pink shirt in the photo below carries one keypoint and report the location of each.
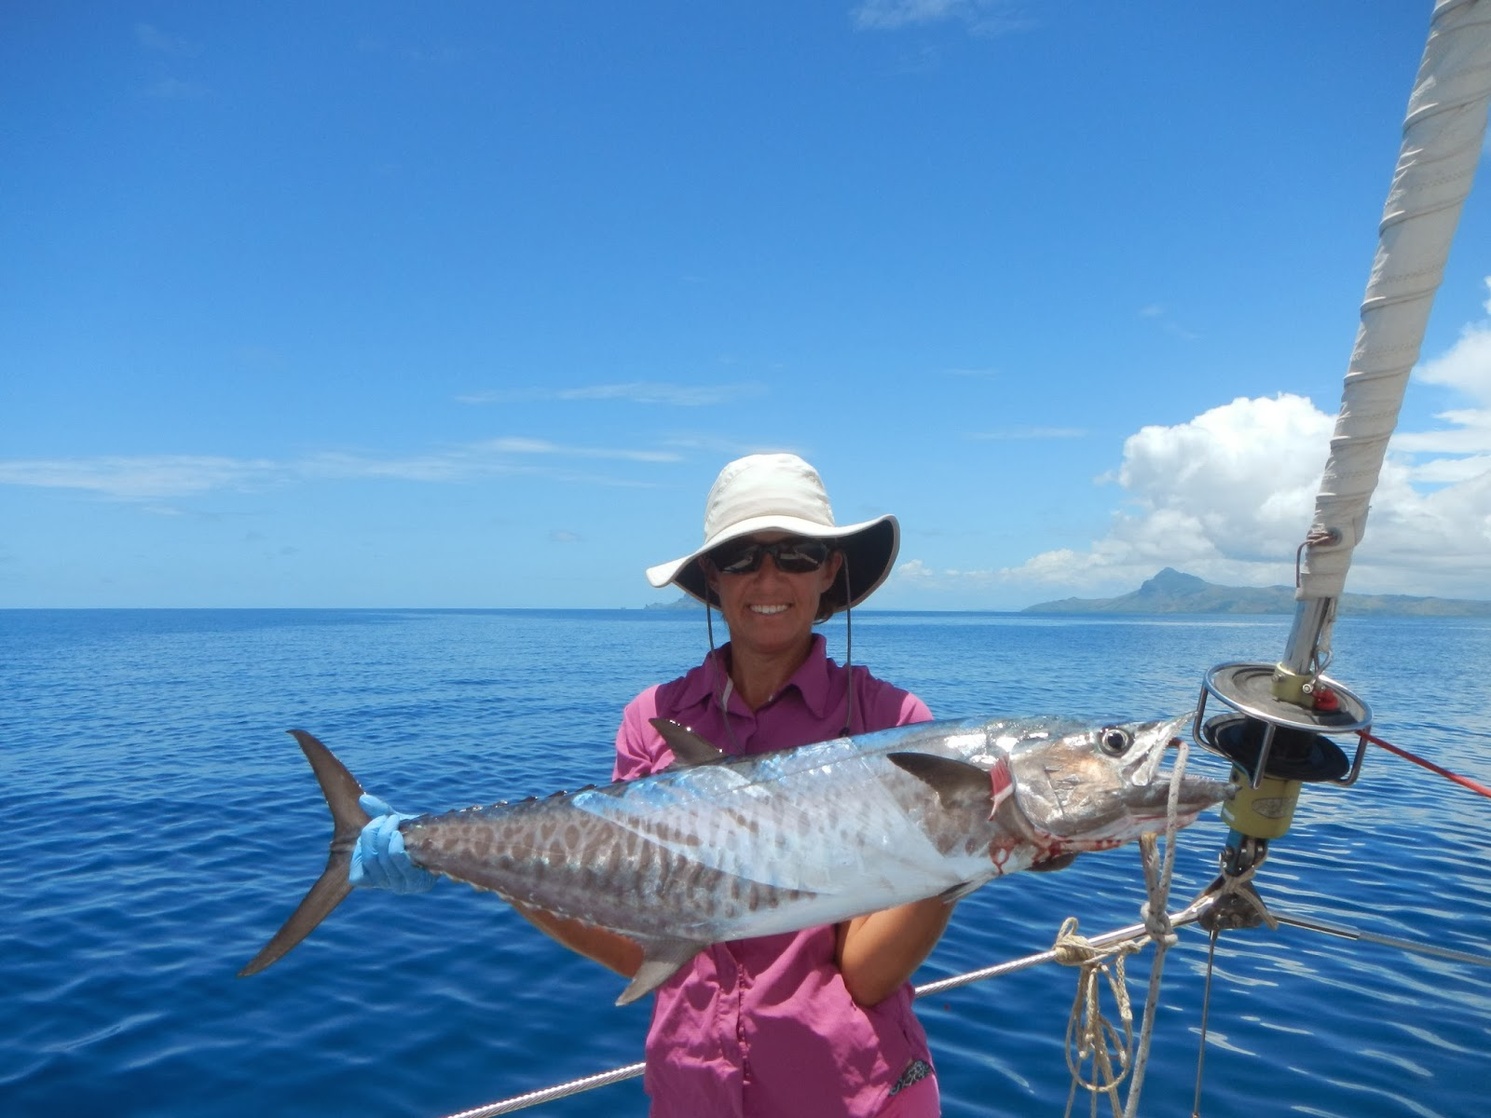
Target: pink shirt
(764, 1028)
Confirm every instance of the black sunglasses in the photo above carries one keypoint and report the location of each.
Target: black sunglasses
(794, 556)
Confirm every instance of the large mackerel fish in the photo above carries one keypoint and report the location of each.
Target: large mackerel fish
(720, 848)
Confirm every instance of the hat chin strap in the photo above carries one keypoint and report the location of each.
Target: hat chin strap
(848, 653)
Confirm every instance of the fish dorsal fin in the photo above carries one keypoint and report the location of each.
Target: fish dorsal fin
(660, 959)
(688, 747)
(958, 784)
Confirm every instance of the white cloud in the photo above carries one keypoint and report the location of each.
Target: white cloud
(139, 477)
(153, 477)
(154, 39)
(1160, 315)
(1018, 433)
(984, 17)
(1230, 494)
(634, 392)
(1465, 368)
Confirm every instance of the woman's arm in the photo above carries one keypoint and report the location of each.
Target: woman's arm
(877, 954)
(608, 948)
(638, 749)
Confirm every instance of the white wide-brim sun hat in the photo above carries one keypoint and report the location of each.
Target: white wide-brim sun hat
(783, 493)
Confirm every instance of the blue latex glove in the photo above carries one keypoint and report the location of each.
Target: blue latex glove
(379, 860)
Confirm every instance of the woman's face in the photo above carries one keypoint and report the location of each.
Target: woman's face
(770, 611)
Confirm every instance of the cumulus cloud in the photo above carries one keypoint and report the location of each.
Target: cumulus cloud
(1230, 494)
(1431, 512)
(1464, 368)
(1225, 495)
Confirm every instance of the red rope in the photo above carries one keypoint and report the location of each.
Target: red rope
(1430, 765)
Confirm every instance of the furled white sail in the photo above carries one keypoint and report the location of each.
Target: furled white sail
(1442, 143)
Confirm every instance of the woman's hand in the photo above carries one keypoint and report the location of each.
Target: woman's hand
(877, 954)
(610, 949)
(379, 860)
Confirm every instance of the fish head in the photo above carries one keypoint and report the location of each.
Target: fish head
(1100, 787)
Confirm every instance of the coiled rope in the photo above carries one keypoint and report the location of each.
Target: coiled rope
(1090, 1036)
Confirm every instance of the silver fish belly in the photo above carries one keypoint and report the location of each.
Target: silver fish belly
(718, 848)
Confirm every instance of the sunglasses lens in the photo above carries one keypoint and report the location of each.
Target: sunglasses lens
(737, 559)
(793, 556)
(799, 556)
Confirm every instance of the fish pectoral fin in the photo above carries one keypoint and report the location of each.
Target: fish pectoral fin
(958, 784)
(688, 747)
(959, 891)
(660, 959)
(1055, 862)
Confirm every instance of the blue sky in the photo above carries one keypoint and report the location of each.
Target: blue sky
(465, 304)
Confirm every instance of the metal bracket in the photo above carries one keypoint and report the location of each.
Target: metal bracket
(1248, 689)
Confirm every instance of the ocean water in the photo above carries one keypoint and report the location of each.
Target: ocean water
(160, 825)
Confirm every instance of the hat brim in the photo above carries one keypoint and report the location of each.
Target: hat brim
(870, 548)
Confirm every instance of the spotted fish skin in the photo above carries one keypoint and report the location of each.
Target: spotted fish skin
(728, 848)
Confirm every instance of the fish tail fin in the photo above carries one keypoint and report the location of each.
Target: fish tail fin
(341, 790)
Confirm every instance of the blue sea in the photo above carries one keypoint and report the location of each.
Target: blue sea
(159, 825)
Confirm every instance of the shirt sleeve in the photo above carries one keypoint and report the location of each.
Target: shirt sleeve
(884, 705)
(913, 710)
(638, 744)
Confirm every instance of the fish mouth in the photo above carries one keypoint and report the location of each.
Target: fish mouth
(1195, 795)
(1107, 785)
(1149, 791)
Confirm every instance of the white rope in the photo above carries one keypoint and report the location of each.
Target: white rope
(1157, 878)
(1090, 1037)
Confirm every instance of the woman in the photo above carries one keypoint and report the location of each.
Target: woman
(810, 1024)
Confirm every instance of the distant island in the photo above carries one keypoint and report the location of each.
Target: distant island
(1171, 591)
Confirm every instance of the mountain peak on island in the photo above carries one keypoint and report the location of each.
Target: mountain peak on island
(1170, 581)
(1172, 591)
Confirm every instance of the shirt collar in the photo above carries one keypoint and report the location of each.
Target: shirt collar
(811, 680)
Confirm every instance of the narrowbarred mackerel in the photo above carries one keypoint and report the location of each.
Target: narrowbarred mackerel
(719, 848)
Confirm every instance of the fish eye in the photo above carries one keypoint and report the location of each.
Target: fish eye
(1114, 740)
